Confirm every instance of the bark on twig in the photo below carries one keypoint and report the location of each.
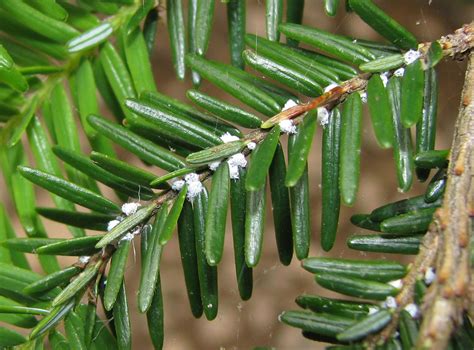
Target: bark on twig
(446, 244)
(448, 297)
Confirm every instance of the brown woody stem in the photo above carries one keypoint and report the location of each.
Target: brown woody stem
(446, 246)
(447, 299)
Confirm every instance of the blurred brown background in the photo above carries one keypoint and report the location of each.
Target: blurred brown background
(244, 325)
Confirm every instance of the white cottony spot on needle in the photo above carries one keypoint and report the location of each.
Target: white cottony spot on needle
(290, 103)
(130, 208)
(111, 224)
(384, 77)
(128, 237)
(287, 126)
(323, 115)
(399, 72)
(411, 56)
(226, 138)
(236, 161)
(413, 310)
(194, 185)
(390, 303)
(178, 185)
(84, 259)
(430, 276)
(192, 182)
(214, 165)
(397, 284)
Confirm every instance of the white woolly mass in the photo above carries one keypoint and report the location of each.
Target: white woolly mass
(397, 284)
(384, 77)
(236, 161)
(84, 259)
(290, 103)
(234, 172)
(413, 310)
(112, 223)
(411, 56)
(192, 177)
(214, 165)
(363, 96)
(226, 138)
(430, 276)
(251, 145)
(287, 126)
(194, 185)
(130, 208)
(373, 310)
(390, 303)
(177, 185)
(399, 72)
(194, 188)
(330, 87)
(323, 116)
(128, 237)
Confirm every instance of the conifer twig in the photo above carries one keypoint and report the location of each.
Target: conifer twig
(454, 45)
(447, 240)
